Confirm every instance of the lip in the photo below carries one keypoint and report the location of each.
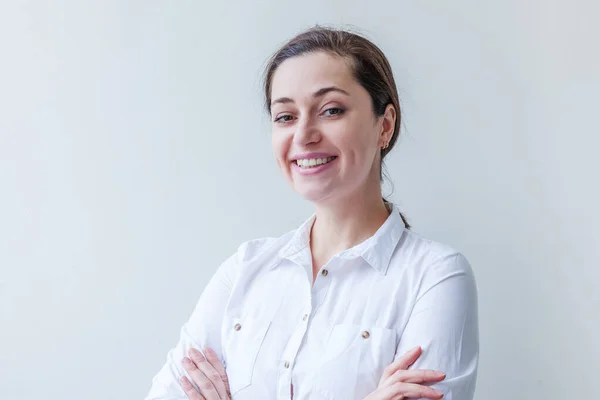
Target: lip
(311, 155)
(313, 170)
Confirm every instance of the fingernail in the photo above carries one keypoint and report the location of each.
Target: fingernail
(196, 353)
(415, 348)
(187, 361)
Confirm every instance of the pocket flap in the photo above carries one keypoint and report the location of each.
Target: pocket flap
(244, 340)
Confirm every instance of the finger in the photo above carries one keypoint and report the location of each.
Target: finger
(403, 390)
(416, 376)
(209, 371)
(216, 363)
(204, 384)
(402, 363)
(189, 389)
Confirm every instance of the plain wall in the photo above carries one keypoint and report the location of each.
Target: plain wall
(135, 157)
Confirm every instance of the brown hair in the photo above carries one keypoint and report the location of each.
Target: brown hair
(369, 65)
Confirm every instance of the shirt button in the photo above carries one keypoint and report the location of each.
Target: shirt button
(324, 272)
(287, 364)
(237, 327)
(366, 334)
(305, 317)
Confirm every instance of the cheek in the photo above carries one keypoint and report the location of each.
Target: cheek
(355, 140)
(280, 149)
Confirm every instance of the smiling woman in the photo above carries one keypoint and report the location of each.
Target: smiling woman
(352, 304)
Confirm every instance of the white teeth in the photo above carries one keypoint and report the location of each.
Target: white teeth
(313, 162)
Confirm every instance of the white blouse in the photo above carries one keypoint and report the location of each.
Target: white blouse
(369, 305)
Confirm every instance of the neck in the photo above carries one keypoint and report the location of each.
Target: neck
(345, 224)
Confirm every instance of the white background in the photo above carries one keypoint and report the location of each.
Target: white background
(135, 156)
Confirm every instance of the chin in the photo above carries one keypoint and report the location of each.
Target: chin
(316, 195)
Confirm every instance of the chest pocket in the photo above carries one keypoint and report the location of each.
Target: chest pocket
(353, 361)
(244, 340)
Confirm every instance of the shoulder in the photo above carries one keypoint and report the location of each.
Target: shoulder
(250, 257)
(261, 250)
(429, 257)
(430, 264)
(258, 247)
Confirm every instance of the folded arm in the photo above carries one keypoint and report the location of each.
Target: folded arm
(203, 329)
(444, 322)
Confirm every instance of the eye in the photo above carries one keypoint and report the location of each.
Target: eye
(330, 112)
(283, 119)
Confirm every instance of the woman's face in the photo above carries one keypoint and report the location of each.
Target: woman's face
(323, 120)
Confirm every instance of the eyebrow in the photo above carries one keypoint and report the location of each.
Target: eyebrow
(318, 93)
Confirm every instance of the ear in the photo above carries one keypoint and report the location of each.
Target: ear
(387, 126)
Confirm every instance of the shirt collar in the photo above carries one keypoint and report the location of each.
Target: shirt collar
(300, 239)
(376, 250)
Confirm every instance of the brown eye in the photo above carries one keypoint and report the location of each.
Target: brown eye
(330, 112)
(284, 118)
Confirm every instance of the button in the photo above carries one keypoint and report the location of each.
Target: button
(366, 334)
(287, 364)
(237, 327)
(324, 272)
(305, 317)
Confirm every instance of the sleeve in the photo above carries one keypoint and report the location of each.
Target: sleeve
(202, 329)
(444, 322)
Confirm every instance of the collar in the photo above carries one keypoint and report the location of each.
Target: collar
(376, 250)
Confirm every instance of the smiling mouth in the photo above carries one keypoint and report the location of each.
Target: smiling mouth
(314, 162)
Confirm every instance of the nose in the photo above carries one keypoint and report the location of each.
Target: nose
(306, 132)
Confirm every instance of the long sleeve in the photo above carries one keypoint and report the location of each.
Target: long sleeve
(444, 322)
(202, 329)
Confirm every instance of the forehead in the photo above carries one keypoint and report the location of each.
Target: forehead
(309, 72)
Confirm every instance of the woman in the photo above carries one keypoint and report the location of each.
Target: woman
(332, 309)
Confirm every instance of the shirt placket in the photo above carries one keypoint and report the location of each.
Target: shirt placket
(317, 296)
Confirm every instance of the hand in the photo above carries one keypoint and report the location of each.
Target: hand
(397, 383)
(208, 374)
